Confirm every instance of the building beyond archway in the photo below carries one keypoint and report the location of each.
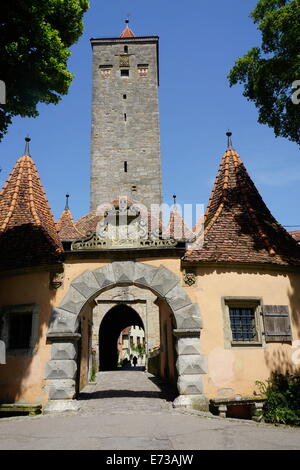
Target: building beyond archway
(117, 319)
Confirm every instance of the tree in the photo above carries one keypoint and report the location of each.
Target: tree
(34, 39)
(269, 72)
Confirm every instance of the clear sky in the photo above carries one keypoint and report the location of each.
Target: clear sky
(199, 43)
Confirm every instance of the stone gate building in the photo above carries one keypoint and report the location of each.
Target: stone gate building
(220, 314)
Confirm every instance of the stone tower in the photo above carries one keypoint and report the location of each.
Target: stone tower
(125, 151)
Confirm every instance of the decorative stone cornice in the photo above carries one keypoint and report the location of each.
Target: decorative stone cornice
(93, 242)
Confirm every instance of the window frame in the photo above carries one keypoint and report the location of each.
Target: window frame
(125, 72)
(243, 302)
(5, 312)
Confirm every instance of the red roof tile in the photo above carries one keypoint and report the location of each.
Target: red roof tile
(296, 235)
(177, 228)
(66, 226)
(28, 232)
(88, 223)
(127, 33)
(238, 225)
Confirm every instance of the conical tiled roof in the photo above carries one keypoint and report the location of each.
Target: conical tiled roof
(177, 227)
(66, 227)
(238, 225)
(28, 232)
(127, 32)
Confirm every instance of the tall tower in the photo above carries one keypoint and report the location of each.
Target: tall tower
(125, 151)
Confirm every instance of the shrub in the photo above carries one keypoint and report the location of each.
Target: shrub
(282, 394)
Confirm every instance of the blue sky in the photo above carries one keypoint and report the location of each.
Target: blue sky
(199, 43)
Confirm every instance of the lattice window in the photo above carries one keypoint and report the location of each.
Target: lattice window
(124, 61)
(243, 325)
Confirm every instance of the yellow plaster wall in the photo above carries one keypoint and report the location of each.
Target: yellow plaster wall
(22, 378)
(230, 371)
(234, 370)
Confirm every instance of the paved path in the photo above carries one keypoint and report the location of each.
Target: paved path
(126, 410)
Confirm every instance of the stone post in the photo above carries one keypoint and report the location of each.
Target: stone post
(61, 372)
(191, 365)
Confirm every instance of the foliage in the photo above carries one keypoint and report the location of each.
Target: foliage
(124, 362)
(282, 394)
(268, 72)
(139, 349)
(34, 39)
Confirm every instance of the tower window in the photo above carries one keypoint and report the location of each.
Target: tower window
(125, 167)
(124, 72)
(126, 49)
(125, 117)
(124, 97)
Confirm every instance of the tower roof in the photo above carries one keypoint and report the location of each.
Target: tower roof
(296, 235)
(28, 232)
(66, 227)
(238, 226)
(127, 32)
(177, 228)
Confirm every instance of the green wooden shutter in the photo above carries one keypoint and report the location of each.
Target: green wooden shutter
(277, 323)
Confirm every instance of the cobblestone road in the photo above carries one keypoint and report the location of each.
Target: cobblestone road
(126, 410)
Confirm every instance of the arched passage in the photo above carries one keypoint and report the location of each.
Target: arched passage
(117, 319)
(63, 329)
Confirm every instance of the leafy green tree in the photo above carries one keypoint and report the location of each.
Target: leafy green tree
(269, 72)
(34, 39)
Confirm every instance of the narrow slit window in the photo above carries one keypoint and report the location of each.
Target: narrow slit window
(125, 167)
(125, 117)
(124, 97)
(126, 49)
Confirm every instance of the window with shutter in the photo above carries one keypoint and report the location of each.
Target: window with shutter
(277, 323)
(242, 321)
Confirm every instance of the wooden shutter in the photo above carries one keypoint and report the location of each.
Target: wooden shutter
(277, 323)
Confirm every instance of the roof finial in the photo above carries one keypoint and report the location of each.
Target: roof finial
(27, 140)
(229, 141)
(67, 202)
(174, 198)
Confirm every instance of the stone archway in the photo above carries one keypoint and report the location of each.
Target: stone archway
(191, 364)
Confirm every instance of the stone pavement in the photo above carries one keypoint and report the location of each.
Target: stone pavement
(126, 410)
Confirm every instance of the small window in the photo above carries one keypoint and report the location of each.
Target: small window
(124, 72)
(124, 97)
(126, 49)
(125, 167)
(244, 326)
(19, 328)
(125, 117)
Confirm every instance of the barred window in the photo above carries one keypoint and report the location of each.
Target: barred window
(243, 325)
